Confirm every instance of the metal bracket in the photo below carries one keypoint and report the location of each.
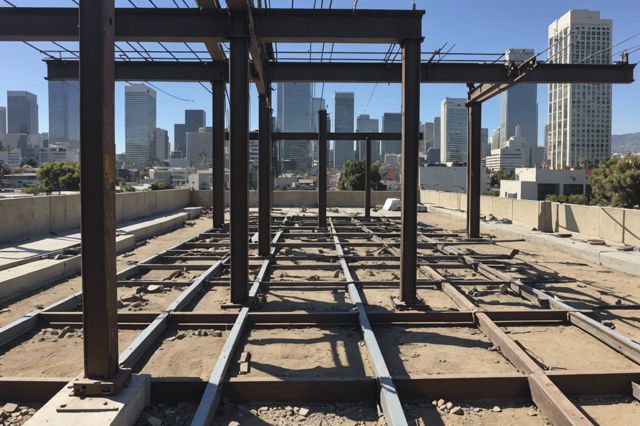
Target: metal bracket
(84, 387)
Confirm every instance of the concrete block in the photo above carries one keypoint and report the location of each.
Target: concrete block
(528, 212)
(502, 208)
(120, 410)
(65, 212)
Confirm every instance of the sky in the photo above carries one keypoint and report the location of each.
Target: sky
(490, 26)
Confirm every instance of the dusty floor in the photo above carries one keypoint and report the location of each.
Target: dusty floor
(482, 412)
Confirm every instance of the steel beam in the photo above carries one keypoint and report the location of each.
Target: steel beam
(266, 177)
(239, 153)
(213, 25)
(322, 168)
(409, 171)
(367, 178)
(358, 72)
(97, 195)
(474, 165)
(218, 153)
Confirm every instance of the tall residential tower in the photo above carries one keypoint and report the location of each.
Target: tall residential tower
(140, 124)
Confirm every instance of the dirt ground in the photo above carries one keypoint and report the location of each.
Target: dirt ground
(184, 353)
(304, 352)
(610, 411)
(51, 352)
(567, 348)
(364, 414)
(475, 413)
(419, 351)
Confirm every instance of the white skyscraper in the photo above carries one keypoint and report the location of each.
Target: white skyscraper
(140, 124)
(453, 130)
(579, 114)
(294, 114)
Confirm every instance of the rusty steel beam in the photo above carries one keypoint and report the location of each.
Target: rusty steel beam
(265, 180)
(322, 168)
(218, 184)
(474, 166)
(367, 178)
(97, 195)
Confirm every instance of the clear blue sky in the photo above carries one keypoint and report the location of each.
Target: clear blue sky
(474, 26)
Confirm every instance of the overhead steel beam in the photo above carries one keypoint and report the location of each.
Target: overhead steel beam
(212, 25)
(97, 195)
(214, 48)
(441, 72)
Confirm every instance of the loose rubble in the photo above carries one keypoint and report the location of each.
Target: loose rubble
(14, 414)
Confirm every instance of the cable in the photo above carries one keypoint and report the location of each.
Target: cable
(609, 48)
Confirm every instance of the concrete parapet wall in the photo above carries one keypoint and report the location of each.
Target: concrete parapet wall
(302, 198)
(23, 218)
(612, 224)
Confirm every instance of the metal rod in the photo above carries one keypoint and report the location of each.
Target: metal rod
(218, 153)
(265, 180)
(409, 173)
(239, 151)
(97, 197)
(474, 159)
(322, 168)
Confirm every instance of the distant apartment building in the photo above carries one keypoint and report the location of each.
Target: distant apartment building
(391, 123)
(536, 183)
(453, 130)
(316, 105)
(364, 123)
(519, 105)
(579, 114)
(11, 159)
(194, 119)
(140, 124)
(436, 133)
(294, 114)
(64, 113)
(343, 119)
(22, 113)
(516, 152)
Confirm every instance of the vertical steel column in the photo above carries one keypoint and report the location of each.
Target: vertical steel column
(474, 164)
(322, 168)
(367, 178)
(97, 194)
(409, 172)
(265, 151)
(218, 153)
(239, 153)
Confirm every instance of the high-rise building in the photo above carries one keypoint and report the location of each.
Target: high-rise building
(194, 119)
(140, 124)
(199, 148)
(391, 123)
(162, 144)
(579, 114)
(64, 113)
(426, 141)
(343, 112)
(364, 123)
(316, 105)
(519, 104)
(495, 139)
(453, 130)
(22, 113)
(3, 123)
(484, 137)
(294, 114)
(436, 133)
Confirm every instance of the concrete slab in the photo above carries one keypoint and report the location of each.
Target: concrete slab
(121, 410)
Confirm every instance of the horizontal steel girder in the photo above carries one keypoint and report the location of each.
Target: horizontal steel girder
(356, 72)
(212, 25)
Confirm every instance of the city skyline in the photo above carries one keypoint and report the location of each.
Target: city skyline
(524, 26)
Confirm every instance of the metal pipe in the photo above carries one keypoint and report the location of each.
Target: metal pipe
(474, 164)
(239, 152)
(409, 173)
(218, 153)
(322, 168)
(265, 181)
(367, 178)
(97, 196)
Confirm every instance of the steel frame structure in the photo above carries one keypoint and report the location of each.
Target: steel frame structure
(549, 390)
(248, 30)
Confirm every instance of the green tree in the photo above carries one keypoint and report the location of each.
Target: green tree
(616, 182)
(59, 177)
(502, 174)
(569, 199)
(352, 176)
(159, 186)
